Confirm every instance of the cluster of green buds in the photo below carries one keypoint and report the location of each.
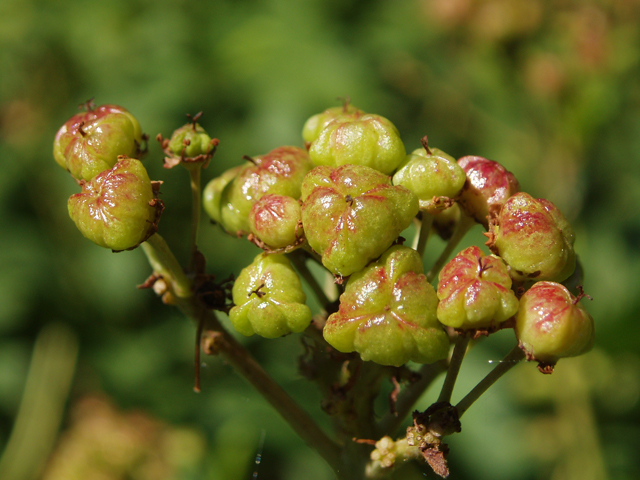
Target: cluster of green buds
(345, 199)
(118, 206)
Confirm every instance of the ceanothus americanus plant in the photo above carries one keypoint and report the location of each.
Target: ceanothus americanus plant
(341, 200)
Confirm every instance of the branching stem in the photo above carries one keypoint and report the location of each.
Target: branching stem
(457, 356)
(165, 264)
(511, 359)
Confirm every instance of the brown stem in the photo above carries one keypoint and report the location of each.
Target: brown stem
(241, 360)
(407, 398)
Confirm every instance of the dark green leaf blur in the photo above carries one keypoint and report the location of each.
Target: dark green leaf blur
(102, 373)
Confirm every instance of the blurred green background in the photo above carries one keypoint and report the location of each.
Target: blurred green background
(551, 89)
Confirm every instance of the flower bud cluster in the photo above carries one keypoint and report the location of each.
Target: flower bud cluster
(346, 199)
(117, 207)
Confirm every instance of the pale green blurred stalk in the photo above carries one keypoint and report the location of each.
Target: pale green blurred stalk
(52, 367)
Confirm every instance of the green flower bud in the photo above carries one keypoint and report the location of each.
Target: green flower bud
(430, 173)
(552, 324)
(190, 141)
(278, 172)
(269, 299)
(475, 291)
(212, 194)
(388, 313)
(276, 220)
(368, 140)
(91, 142)
(535, 239)
(352, 214)
(487, 188)
(318, 122)
(117, 208)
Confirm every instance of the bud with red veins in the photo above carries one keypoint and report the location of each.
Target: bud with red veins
(552, 324)
(487, 188)
(534, 239)
(90, 142)
(279, 172)
(268, 298)
(276, 220)
(429, 172)
(388, 313)
(352, 214)
(117, 209)
(315, 124)
(475, 291)
(368, 140)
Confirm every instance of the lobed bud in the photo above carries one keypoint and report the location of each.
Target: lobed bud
(430, 173)
(190, 140)
(315, 124)
(534, 239)
(117, 208)
(475, 291)
(352, 214)
(90, 142)
(268, 298)
(552, 324)
(367, 140)
(276, 220)
(387, 313)
(487, 188)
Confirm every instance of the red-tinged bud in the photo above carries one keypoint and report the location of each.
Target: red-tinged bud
(475, 291)
(552, 324)
(534, 239)
(487, 188)
(276, 220)
(117, 209)
(279, 172)
(352, 214)
(388, 313)
(91, 142)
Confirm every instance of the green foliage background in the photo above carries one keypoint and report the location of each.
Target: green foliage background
(551, 89)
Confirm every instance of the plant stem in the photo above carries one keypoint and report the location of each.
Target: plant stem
(195, 176)
(299, 262)
(164, 263)
(242, 361)
(459, 351)
(420, 242)
(511, 359)
(390, 423)
(463, 226)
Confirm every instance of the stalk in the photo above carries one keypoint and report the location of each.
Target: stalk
(196, 194)
(164, 263)
(507, 363)
(459, 350)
